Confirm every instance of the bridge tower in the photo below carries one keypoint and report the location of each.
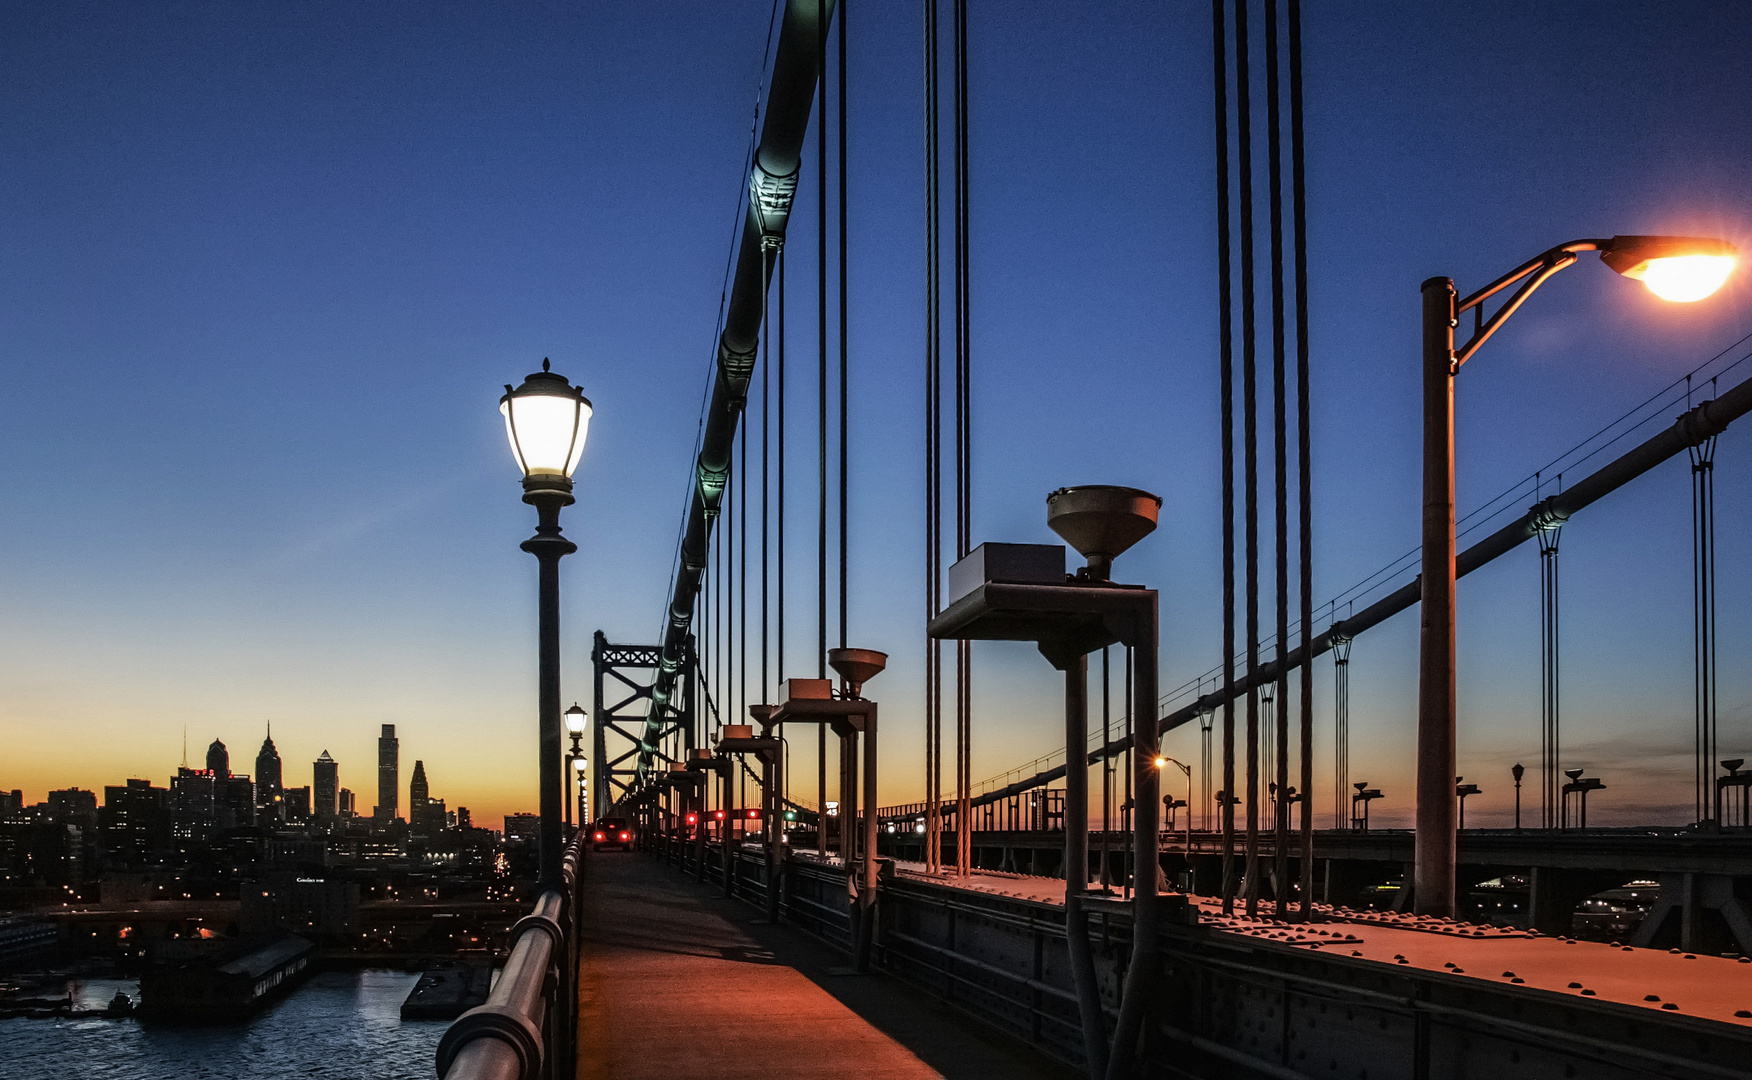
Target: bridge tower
(624, 704)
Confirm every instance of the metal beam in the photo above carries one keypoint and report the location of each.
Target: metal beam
(772, 182)
(1692, 428)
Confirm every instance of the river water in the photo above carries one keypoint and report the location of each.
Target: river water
(337, 1026)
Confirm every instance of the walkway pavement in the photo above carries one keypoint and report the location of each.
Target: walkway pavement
(678, 981)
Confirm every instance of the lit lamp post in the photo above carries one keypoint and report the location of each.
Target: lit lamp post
(575, 729)
(547, 420)
(1162, 762)
(1517, 772)
(579, 765)
(1676, 268)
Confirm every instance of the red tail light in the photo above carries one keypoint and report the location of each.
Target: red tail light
(599, 836)
(626, 836)
(693, 819)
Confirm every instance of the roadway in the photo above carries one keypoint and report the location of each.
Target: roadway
(676, 980)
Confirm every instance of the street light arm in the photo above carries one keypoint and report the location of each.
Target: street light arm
(1536, 272)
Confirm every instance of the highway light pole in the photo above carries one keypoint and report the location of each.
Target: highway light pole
(1676, 268)
(547, 420)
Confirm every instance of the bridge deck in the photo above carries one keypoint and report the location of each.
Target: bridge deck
(1712, 987)
(675, 980)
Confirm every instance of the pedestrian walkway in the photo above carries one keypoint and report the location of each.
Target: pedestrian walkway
(675, 980)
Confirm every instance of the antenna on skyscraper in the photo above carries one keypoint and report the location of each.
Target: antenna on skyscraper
(185, 763)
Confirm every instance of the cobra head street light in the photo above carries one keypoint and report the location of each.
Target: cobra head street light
(1683, 269)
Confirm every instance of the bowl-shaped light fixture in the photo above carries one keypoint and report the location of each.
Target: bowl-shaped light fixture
(1682, 269)
(575, 719)
(547, 420)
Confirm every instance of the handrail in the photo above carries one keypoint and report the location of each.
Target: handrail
(525, 1031)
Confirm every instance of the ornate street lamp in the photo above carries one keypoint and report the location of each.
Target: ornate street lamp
(575, 729)
(1678, 268)
(547, 420)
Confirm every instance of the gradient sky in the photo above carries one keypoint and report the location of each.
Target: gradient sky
(264, 269)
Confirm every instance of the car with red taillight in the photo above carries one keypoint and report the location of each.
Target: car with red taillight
(612, 833)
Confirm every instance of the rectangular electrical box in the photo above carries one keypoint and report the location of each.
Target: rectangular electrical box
(736, 731)
(808, 689)
(1014, 564)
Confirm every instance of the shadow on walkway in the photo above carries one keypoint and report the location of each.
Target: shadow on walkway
(675, 980)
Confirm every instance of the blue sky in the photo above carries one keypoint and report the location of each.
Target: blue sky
(263, 273)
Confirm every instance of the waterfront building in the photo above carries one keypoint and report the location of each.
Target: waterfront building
(268, 782)
(327, 786)
(388, 776)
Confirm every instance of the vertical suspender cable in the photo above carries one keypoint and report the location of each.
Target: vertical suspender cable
(844, 464)
(742, 576)
(1250, 448)
(963, 450)
(933, 456)
(1226, 361)
(821, 407)
(1304, 467)
(766, 409)
(1280, 468)
(779, 630)
(1703, 625)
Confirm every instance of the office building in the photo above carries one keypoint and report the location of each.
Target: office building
(268, 783)
(294, 804)
(388, 775)
(219, 760)
(135, 824)
(327, 786)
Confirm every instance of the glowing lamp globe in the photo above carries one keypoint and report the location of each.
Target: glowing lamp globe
(547, 420)
(575, 720)
(1683, 269)
(580, 764)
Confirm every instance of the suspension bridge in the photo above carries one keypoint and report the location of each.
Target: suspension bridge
(1110, 910)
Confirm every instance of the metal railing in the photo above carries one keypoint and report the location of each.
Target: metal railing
(527, 1030)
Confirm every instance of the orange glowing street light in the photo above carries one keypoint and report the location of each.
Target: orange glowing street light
(1682, 269)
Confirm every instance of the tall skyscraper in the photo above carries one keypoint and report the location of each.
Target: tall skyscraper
(348, 808)
(219, 761)
(388, 774)
(268, 783)
(328, 786)
(418, 790)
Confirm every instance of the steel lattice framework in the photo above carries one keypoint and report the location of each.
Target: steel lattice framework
(644, 728)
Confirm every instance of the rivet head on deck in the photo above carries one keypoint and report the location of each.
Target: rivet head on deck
(1670, 1005)
(1508, 974)
(1651, 997)
(1690, 956)
(1575, 986)
(1517, 980)
(1587, 993)
(1743, 1013)
(1675, 952)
